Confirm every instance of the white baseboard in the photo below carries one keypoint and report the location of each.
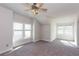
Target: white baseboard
(46, 40)
(6, 51)
(35, 40)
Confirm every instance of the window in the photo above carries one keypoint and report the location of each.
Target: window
(27, 31)
(65, 32)
(21, 31)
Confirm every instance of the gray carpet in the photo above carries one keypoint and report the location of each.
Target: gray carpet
(42, 48)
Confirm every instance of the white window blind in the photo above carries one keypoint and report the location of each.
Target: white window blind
(65, 32)
(21, 31)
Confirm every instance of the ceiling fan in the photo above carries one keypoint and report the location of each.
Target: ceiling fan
(36, 8)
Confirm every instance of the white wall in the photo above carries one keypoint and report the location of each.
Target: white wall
(41, 31)
(45, 32)
(63, 19)
(78, 32)
(36, 30)
(5, 29)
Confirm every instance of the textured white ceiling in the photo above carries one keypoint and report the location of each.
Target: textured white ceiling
(54, 10)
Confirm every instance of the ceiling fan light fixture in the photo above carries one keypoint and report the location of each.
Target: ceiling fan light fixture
(36, 8)
(35, 11)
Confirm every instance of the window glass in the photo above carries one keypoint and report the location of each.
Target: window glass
(27, 27)
(27, 34)
(18, 26)
(21, 31)
(60, 30)
(68, 30)
(17, 35)
(65, 32)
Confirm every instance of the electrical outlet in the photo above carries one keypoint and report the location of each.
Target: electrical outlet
(7, 45)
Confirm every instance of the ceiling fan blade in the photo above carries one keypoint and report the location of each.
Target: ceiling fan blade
(39, 5)
(43, 9)
(27, 9)
(27, 5)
